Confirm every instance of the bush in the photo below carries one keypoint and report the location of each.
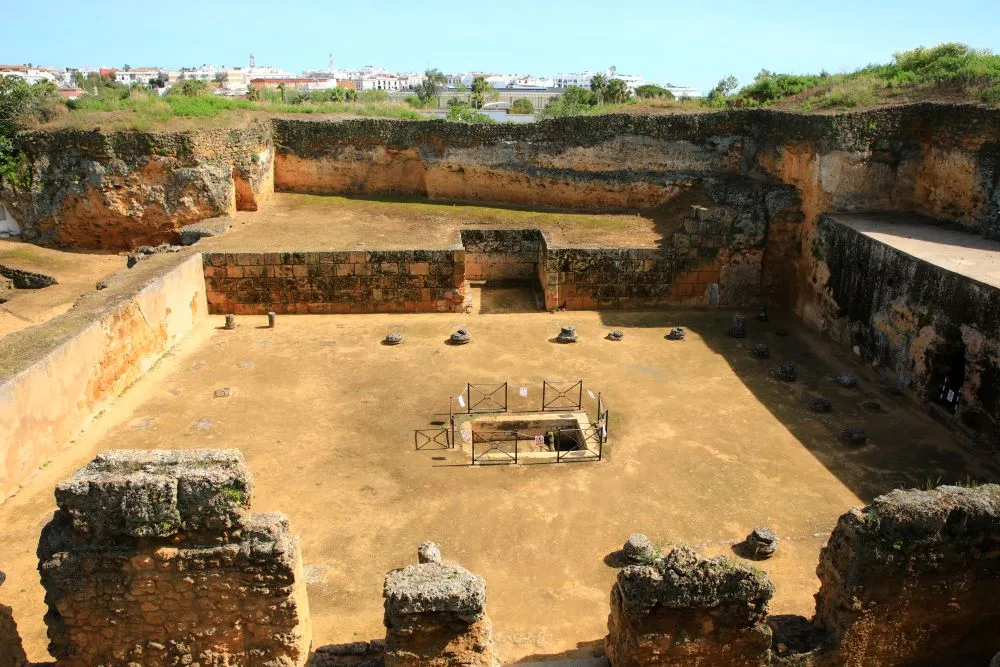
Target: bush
(462, 113)
(372, 96)
(768, 88)
(521, 105)
(651, 91)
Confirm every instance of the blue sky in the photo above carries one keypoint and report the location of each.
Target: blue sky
(685, 43)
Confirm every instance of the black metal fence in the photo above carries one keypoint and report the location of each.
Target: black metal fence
(481, 398)
(495, 447)
(491, 447)
(436, 438)
(562, 395)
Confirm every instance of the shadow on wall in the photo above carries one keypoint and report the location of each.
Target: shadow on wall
(903, 447)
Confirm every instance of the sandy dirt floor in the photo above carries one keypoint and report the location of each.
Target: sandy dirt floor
(703, 447)
(76, 272)
(313, 222)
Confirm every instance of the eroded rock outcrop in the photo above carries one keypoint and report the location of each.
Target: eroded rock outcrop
(154, 558)
(435, 615)
(914, 579)
(121, 190)
(687, 610)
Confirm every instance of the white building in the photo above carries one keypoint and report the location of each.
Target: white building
(387, 82)
(582, 79)
(30, 74)
(139, 76)
(683, 91)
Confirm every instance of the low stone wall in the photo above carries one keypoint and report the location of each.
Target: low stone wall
(922, 323)
(913, 579)
(58, 375)
(686, 610)
(621, 278)
(154, 558)
(374, 281)
(502, 254)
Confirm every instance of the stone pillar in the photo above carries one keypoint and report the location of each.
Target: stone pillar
(435, 615)
(914, 579)
(11, 650)
(686, 610)
(153, 557)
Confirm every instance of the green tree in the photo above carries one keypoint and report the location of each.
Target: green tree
(480, 90)
(522, 105)
(192, 87)
(430, 87)
(281, 90)
(598, 86)
(252, 93)
(717, 96)
(579, 96)
(617, 92)
(21, 104)
(652, 91)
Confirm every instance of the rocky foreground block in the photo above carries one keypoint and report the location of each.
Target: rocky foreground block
(914, 579)
(687, 610)
(435, 615)
(158, 493)
(214, 585)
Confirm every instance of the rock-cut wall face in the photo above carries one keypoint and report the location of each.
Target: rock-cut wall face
(914, 579)
(121, 190)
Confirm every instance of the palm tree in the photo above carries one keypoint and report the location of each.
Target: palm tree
(599, 85)
(281, 90)
(617, 92)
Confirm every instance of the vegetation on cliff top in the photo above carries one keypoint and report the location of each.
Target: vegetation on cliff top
(21, 104)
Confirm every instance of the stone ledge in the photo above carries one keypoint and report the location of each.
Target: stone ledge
(434, 588)
(158, 493)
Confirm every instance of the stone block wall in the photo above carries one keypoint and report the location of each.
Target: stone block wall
(374, 281)
(622, 278)
(920, 322)
(154, 558)
(57, 376)
(686, 610)
(502, 254)
(913, 579)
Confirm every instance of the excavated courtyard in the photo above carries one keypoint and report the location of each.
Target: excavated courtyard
(703, 447)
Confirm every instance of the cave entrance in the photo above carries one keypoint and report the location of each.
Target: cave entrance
(947, 374)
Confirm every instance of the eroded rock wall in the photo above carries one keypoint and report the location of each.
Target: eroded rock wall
(154, 558)
(687, 610)
(933, 330)
(117, 191)
(913, 579)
